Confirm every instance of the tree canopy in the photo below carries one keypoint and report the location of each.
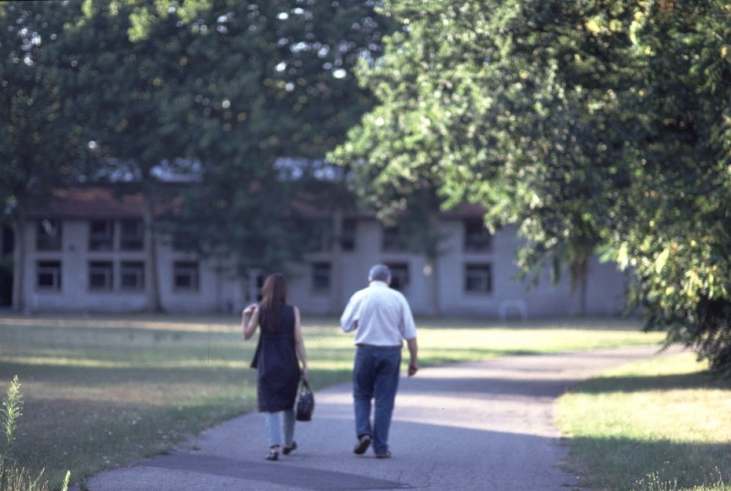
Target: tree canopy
(267, 82)
(39, 134)
(228, 88)
(595, 126)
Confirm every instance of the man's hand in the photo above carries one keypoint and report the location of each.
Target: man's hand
(413, 355)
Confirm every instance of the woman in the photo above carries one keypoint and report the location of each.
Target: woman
(278, 369)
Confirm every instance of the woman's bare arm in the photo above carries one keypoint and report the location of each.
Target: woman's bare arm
(299, 343)
(250, 320)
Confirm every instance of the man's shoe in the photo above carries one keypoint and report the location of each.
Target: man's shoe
(386, 455)
(362, 445)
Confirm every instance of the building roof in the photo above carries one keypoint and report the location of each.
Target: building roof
(84, 203)
(113, 202)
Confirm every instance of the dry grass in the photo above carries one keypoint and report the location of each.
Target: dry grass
(105, 391)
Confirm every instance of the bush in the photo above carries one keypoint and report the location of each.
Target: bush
(14, 477)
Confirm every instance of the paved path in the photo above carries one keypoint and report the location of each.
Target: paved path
(476, 426)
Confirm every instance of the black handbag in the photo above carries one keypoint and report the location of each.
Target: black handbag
(305, 403)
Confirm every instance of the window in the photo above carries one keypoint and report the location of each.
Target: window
(476, 236)
(321, 277)
(317, 235)
(49, 275)
(399, 276)
(101, 276)
(132, 275)
(132, 236)
(478, 278)
(185, 275)
(393, 240)
(347, 234)
(48, 237)
(254, 282)
(101, 235)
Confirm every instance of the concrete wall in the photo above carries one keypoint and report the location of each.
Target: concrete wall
(440, 288)
(432, 288)
(217, 291)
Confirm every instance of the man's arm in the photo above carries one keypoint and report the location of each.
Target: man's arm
(414, 354)
(349, 320)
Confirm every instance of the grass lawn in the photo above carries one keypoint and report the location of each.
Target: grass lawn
(104, 391)
(654, 425)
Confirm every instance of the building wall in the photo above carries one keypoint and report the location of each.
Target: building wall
(431, 289)
(74, 258)
(214, 292)
(440, 288)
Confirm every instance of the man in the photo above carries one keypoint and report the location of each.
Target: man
(382, 319)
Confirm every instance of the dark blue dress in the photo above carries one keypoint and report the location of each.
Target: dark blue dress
(278, 371)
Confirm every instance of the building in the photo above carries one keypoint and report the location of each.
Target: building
(86, 253)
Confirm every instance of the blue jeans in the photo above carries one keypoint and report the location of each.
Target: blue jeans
(272, 424)
(375, 377)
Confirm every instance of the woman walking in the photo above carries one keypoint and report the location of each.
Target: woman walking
(276, 361)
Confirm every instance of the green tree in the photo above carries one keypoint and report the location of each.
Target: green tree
(591, 124)
(127, 91)
(39, 134)
(237, 88)
(269, 89)
(675, 223)
(497, 115)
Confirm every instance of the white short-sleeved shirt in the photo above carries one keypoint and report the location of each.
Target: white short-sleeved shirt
(380, 316)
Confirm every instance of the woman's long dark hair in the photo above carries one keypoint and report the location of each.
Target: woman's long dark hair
(274, 295)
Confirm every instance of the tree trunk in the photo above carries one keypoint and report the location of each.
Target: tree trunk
(18, 300)
(433, 282)
(336, 272)
(152, 286)
(580, 281)
(433, 263)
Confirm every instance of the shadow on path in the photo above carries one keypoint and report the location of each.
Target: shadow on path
(472, 426)
(285, 475)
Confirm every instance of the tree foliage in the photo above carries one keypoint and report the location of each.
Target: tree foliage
(127, 92)
(228, 89)
(37, 144)
(594, 125)
(677, 224)
(39, 129)
(267, 86)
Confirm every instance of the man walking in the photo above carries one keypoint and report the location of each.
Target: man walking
(382, 319)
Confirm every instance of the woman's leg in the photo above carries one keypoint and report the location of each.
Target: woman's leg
(288, 427)
(272, 426)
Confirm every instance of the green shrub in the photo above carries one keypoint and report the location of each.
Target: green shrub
(14, 477)
(11, 412)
